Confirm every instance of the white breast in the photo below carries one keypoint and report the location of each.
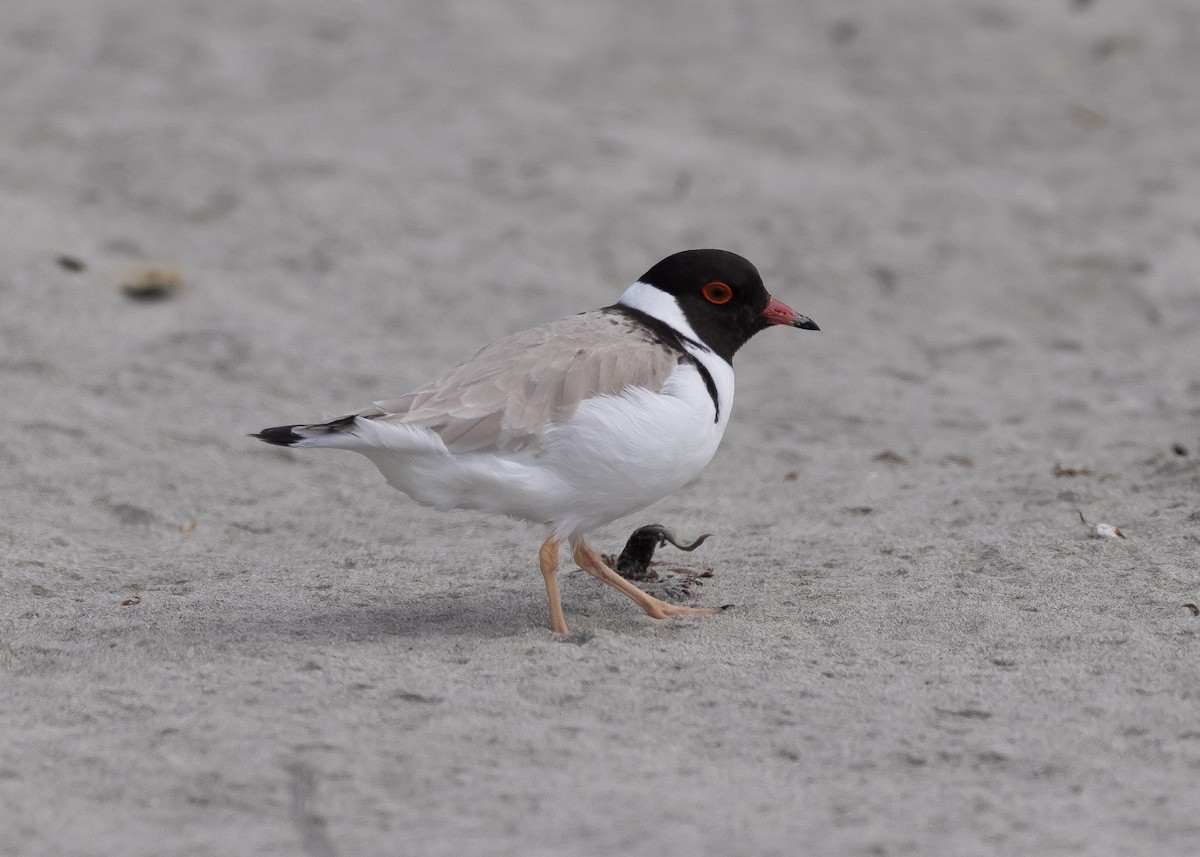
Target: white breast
(618, 454)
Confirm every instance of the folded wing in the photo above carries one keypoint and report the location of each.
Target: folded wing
(504, 397)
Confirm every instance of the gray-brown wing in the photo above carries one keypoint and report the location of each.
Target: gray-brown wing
(503, 397)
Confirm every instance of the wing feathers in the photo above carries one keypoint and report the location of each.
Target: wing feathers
(507, 394)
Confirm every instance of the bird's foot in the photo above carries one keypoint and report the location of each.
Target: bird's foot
(593, 564)
(663, 610)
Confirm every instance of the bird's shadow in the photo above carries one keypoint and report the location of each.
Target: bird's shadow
(492, 615)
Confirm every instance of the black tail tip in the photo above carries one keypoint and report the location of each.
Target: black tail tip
(279, 435)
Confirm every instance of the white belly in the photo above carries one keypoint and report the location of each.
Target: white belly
(615, 455)
(622, 453)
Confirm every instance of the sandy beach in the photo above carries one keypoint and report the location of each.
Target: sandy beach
(219, 216)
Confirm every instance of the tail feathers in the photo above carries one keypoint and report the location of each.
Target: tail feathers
(297, 434)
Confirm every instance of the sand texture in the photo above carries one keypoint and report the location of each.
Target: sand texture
(209, 646)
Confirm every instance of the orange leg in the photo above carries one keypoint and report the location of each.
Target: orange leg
(590, 562)
(548, 560)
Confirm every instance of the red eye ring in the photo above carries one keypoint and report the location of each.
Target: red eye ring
(717, 293)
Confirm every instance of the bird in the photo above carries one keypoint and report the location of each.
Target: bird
(575, 423)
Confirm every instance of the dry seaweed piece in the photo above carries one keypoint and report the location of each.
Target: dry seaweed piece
(1059, 470)
(637, 557)
(152, 284)
(637, 563)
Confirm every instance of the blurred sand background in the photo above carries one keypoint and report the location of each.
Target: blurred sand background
(212, 647)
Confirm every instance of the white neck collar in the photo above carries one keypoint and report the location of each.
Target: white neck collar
(656, 303)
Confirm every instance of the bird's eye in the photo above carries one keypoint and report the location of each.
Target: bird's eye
(717, 293)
